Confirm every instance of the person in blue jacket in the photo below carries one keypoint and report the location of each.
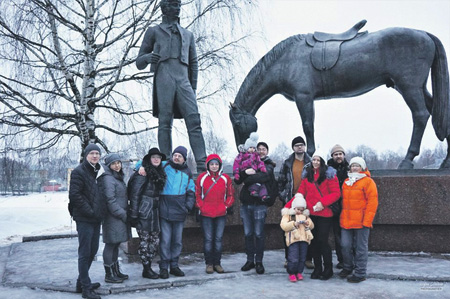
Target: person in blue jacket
(176, 200)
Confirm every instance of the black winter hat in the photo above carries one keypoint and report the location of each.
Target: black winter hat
(182, 151)
(298, 139)
(91, 147)
(154, 151)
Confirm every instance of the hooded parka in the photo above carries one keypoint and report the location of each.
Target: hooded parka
(214, 192)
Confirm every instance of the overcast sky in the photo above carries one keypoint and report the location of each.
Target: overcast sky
(379, 118)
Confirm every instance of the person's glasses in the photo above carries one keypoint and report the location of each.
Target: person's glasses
(299, 145)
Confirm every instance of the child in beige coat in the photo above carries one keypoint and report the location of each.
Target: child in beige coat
(297, 226)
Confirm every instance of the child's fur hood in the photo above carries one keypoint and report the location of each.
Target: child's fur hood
(291, 211)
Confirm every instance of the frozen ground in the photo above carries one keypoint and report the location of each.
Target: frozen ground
(27, 269)
(33, 214)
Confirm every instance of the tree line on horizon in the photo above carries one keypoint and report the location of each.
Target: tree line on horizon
(29, 173)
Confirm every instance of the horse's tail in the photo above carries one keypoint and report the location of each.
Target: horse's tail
(440, 84)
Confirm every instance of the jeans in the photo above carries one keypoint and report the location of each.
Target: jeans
(110, 253)
(319, 245)
(355, 249)
(297, 257)
(171, 243)
(212, 238)
(337, 237)
(253, 217)
(88, 242)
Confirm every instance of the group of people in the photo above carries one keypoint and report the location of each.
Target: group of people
(156, 202)
(321, 195)
(317, 195)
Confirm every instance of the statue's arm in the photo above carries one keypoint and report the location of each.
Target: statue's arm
(193, 63)
(146, 49)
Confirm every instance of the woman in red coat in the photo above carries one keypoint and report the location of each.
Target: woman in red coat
(214, 194)
(320, 187)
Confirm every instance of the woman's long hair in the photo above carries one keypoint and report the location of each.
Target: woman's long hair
(322, 170)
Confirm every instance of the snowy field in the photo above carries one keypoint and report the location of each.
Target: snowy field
(34, 214)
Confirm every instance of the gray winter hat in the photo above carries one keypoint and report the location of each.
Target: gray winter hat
(110, 158)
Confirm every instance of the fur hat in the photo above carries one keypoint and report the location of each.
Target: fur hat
(91, 147)
(252, 141)
(360, 161)
(337, 148)
(321, 154)
(298, 139)
(113, 157)
(182, 151)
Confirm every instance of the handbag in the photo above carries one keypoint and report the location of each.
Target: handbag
(335, 207)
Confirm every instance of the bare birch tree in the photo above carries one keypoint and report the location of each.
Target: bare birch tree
(69, 66)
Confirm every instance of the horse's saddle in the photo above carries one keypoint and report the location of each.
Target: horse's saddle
(327, 46)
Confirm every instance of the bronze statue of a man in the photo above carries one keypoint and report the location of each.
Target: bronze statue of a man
(170, 49)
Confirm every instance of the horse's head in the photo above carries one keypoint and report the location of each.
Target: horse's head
(243, 124)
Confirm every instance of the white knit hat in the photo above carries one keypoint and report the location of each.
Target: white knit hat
(299, 201)
(252, 141)
(360, 161)
(320, 153)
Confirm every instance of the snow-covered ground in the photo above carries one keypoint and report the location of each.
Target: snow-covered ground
(34, 214)
(391, 275)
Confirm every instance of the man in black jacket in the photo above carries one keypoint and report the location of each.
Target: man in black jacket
(87, 209)
(253, 210)
(339, 163)
(289, 180)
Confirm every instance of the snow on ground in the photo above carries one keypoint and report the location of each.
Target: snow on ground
(34, 214)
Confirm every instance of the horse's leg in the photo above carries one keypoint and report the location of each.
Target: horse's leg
(306, 108)
(446, 162)
(415, 99)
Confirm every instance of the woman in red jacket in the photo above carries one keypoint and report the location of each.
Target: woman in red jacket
(320, 187)
(214, 194)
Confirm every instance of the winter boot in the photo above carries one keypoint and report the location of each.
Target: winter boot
(110, 275)
(327, 272)
(78, 289)
(149, 273)
(317, 269)
(117, 271)
(90, 294)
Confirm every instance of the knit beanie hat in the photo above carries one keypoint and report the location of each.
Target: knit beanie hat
(320, 154)
(251, 141)
(91, 147)
(337, 148)
(182, 151)
(360, 161)
(299, 201)
(263, 144)
(109, 159)
(298, 139)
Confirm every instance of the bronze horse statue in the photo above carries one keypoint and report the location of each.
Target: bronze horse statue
(320, 66)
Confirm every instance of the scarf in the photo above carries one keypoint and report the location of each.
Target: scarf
(353, 177)
(156, 175)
